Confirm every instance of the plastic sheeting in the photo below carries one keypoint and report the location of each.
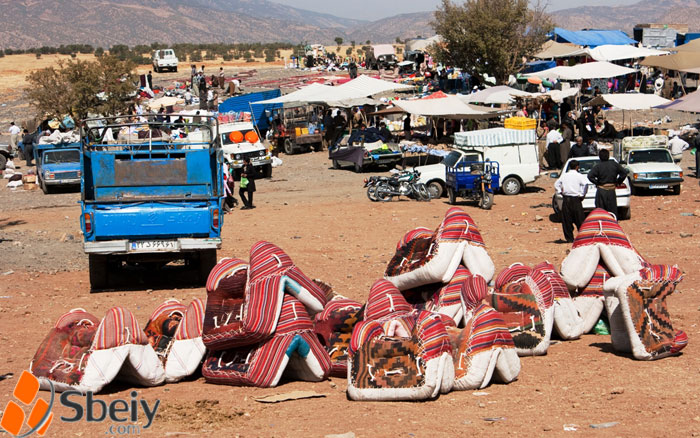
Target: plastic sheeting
(495, 137)
(591, 70)
(592, 38)
(631, 101)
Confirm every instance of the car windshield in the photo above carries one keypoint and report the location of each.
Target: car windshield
(650, 156)
(451, 159)
(585, 166)
(56, 157)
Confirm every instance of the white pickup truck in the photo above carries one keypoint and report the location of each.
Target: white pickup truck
(239, 140)
(164, 60)
(650, 164)
(514, 150)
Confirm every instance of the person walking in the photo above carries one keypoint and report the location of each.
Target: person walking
(554, 139)
(14, 135)
(247, 185)
(222, 78)
(573, 187)
(607, 175)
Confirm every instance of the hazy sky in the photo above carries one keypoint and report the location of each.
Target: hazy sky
(375, 9)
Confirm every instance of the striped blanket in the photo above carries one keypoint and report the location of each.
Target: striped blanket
(333, 327)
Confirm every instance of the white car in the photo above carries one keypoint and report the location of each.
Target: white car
(653, 168)
(164, 60)
(622, 192)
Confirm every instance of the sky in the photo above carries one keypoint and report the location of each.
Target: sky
(375, 9)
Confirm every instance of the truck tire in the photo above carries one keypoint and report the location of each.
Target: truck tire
(677, 189)
(358, 168)
(318, 147)
(44, 188)
(435, 189)
(207, 261)
(624, 213)
(451, 195)
(511, 186)
(3, 162)
(486, 201)
(99, 272)
(267, 171)
(175, 69)
(288, 147)
(336, 165)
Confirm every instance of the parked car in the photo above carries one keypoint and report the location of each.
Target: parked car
(622, 192)
(164, 60)
(653, 169)
(57, 166)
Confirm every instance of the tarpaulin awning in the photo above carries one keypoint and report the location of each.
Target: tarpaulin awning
(559, 95)
(591, 70)
(501, 94)
(629, 101)
(689, 103)
(495, 137)
(302, 95)
(691, 46)
(610, 52)
(681, 61)
(535, 66)
(592, 38)
(445, 106)
(553, 49)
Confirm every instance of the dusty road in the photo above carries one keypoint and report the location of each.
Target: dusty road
(322, 218)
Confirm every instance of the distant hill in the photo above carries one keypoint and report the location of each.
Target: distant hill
(626, 17)
(33, 23)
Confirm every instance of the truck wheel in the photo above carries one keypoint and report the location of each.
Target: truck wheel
(20, 155)
(633, 190)
(336, 165)
(175, 69)
(486, 201)
(677, 189)
(451, 195)
(3, 162)
(207, 261)
(99, 273)
(624, 213)
(511, 186)
(318, 147)
(358, 168)
(435, 189)
(44, 188)
(288, 147)
(267, 171)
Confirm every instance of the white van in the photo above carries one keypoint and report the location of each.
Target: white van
(239, 140)
(164, 60)
(515, 151)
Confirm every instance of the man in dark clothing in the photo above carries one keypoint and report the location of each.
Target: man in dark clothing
(606, 175)
(407, 127)
(28, 147)
(149, 80)
(248, 172)
(384, 132)
(579, 149)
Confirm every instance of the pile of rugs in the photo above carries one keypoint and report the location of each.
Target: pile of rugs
(430, 326)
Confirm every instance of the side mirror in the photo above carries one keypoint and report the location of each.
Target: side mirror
(554, 175)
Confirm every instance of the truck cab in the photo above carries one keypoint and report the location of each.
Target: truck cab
(151, 193)
(240, 140)
(57, 165)
(164, 59)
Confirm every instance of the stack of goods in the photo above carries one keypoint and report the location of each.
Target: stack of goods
(257, 323)
(434, 284)
(605, 270)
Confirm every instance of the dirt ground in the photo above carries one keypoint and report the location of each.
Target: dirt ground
(322, 218)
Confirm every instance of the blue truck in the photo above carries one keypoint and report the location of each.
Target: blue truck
(151, 193)
(473, 178)
(57, 165)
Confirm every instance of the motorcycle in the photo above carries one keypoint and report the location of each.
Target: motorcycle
(405, 183)
(371, 184)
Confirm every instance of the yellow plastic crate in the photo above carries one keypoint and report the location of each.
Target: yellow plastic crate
(522, 123)
(298, 131)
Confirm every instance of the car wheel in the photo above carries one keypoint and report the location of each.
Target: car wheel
(451, 195)
(3, 162)
(267, 171)
(624, 213)
(677, 189)
(99, 271)
(486, 201)
(336, 165)
(435, 189)
(555, 206)
(358, 168)
(511, 186)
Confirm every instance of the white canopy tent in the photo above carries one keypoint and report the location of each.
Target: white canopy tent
(501, 94)
(610, 52)
(630, 101)
(591, 70)
(450, 107)
(300, 96)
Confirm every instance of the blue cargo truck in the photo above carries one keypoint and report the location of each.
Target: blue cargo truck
(57, 165)
(151, 193)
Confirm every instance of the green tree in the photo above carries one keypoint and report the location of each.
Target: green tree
(81, 87)
(490, 36)
(398, 40)
(99, 51)
(368, 42)
(338, 41)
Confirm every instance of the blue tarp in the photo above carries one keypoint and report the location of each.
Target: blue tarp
(242, 103)
(535, 66)
(683, 38)
(592, 38)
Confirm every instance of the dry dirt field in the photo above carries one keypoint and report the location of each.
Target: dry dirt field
(323, 220)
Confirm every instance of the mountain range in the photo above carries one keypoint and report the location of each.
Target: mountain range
(34, 23)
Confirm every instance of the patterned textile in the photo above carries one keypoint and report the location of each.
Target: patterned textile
(293, 349)
(642, 308)
(514, 272)
(482, 348)
(424, 259)
(162, 326)
(445, 299)
(527, 309)
(589, 300)
(384, 299)
(418, 233)
(333, 327)
(567, 322)
(600, 240)
(223, 317)
(85, 354)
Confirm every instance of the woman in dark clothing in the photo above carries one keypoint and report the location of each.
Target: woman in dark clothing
(248, 173)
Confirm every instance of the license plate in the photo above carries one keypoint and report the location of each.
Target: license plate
(658, 186)
(153, 245)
